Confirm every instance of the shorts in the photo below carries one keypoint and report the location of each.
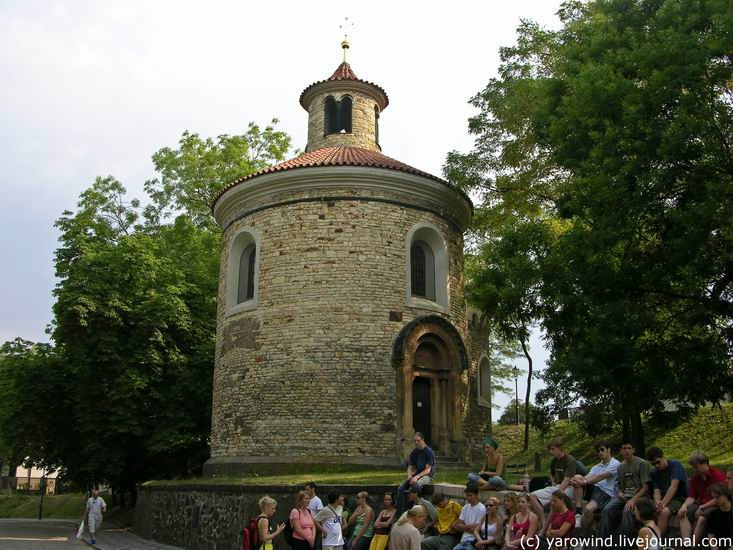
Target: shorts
(600, 498)
(692, 508)
(545, 495)
(675, 504)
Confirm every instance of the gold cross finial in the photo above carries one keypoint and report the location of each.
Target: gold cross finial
(346, 25)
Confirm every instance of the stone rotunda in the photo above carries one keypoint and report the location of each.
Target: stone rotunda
(342, 326)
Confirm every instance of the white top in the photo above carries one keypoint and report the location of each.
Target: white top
(330, 519)
(471, 515)
(96, 506)
(488, 531)
(607, 485)
(315, 505)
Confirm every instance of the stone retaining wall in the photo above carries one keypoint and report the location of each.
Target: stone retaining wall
(211, 517)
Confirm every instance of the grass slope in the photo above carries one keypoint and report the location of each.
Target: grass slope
(54, 506)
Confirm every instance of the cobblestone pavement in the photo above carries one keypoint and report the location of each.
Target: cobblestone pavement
(28, 534)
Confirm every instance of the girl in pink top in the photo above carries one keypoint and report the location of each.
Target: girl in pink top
(522, 526)
(304, 535)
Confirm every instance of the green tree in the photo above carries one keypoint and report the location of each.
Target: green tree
(125, 392)
(614, 133)
(192, 175)
(509, 414)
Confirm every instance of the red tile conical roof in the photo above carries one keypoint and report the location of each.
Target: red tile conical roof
(343, 72)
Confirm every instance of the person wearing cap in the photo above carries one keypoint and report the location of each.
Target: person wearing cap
(413, 496)
(490, 477)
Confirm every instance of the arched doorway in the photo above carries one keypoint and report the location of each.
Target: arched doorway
(430, 357)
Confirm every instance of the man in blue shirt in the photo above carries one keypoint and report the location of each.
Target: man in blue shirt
(420, 469)
(669, 482)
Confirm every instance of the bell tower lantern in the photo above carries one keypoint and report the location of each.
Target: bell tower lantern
(343, 111)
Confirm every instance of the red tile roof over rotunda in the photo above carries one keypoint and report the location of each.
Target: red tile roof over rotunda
(340, 156)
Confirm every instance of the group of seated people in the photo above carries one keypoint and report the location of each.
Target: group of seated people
(634, 498)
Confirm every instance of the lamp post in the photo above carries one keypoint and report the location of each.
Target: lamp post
(516, 393)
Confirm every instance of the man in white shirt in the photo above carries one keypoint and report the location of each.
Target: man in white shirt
(602, 477)
(95, 507)
(315, 505)
(471, 517)
(328, 522)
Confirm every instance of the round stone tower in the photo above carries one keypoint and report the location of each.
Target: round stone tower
(342, 326)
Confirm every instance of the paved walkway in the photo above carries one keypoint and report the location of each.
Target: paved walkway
(28, 534)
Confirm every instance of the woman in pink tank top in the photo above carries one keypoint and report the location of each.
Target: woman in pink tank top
(522, 526)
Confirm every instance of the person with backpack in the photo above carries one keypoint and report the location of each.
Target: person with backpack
(328, 521)
(264, 532)
(303, 535)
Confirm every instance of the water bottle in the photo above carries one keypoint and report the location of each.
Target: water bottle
(525, 482)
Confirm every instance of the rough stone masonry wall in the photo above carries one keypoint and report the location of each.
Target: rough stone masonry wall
(363, 130)
(211, 517)
(307, 375)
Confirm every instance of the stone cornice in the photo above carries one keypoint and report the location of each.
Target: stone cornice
(357, 182)
(366, 88)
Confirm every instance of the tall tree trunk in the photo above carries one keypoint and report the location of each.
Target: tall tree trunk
(626, 416)
(637, 432)
(529, 389)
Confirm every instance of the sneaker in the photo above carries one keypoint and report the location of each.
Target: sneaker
(578, 521)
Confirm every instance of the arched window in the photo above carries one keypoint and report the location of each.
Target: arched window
(337, 115)
(331, 112)
(246, 283)
(241, 276)
(427, 268)
(484, 382)
(345, 115)
(423, 270)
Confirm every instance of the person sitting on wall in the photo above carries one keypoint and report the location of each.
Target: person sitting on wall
(420, 469)
(633, 484)
(447, 536)
(562, 469)
(699, 503)
(490, 477)
(490, 534)
(522, 526)
(471, 517)
(603, 478)
(560, 526)
(720, 521)
(669, 481)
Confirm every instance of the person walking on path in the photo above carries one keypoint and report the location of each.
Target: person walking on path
(93, 511)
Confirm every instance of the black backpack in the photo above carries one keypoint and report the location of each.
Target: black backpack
(288, 532)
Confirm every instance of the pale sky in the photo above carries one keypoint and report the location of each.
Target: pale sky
(95, 88)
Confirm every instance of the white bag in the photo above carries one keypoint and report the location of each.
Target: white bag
(80, 532)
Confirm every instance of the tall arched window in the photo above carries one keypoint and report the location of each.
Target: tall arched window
(422, 273)
(242, 266)
(246, 283)
(427, 268)
(331, 113)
